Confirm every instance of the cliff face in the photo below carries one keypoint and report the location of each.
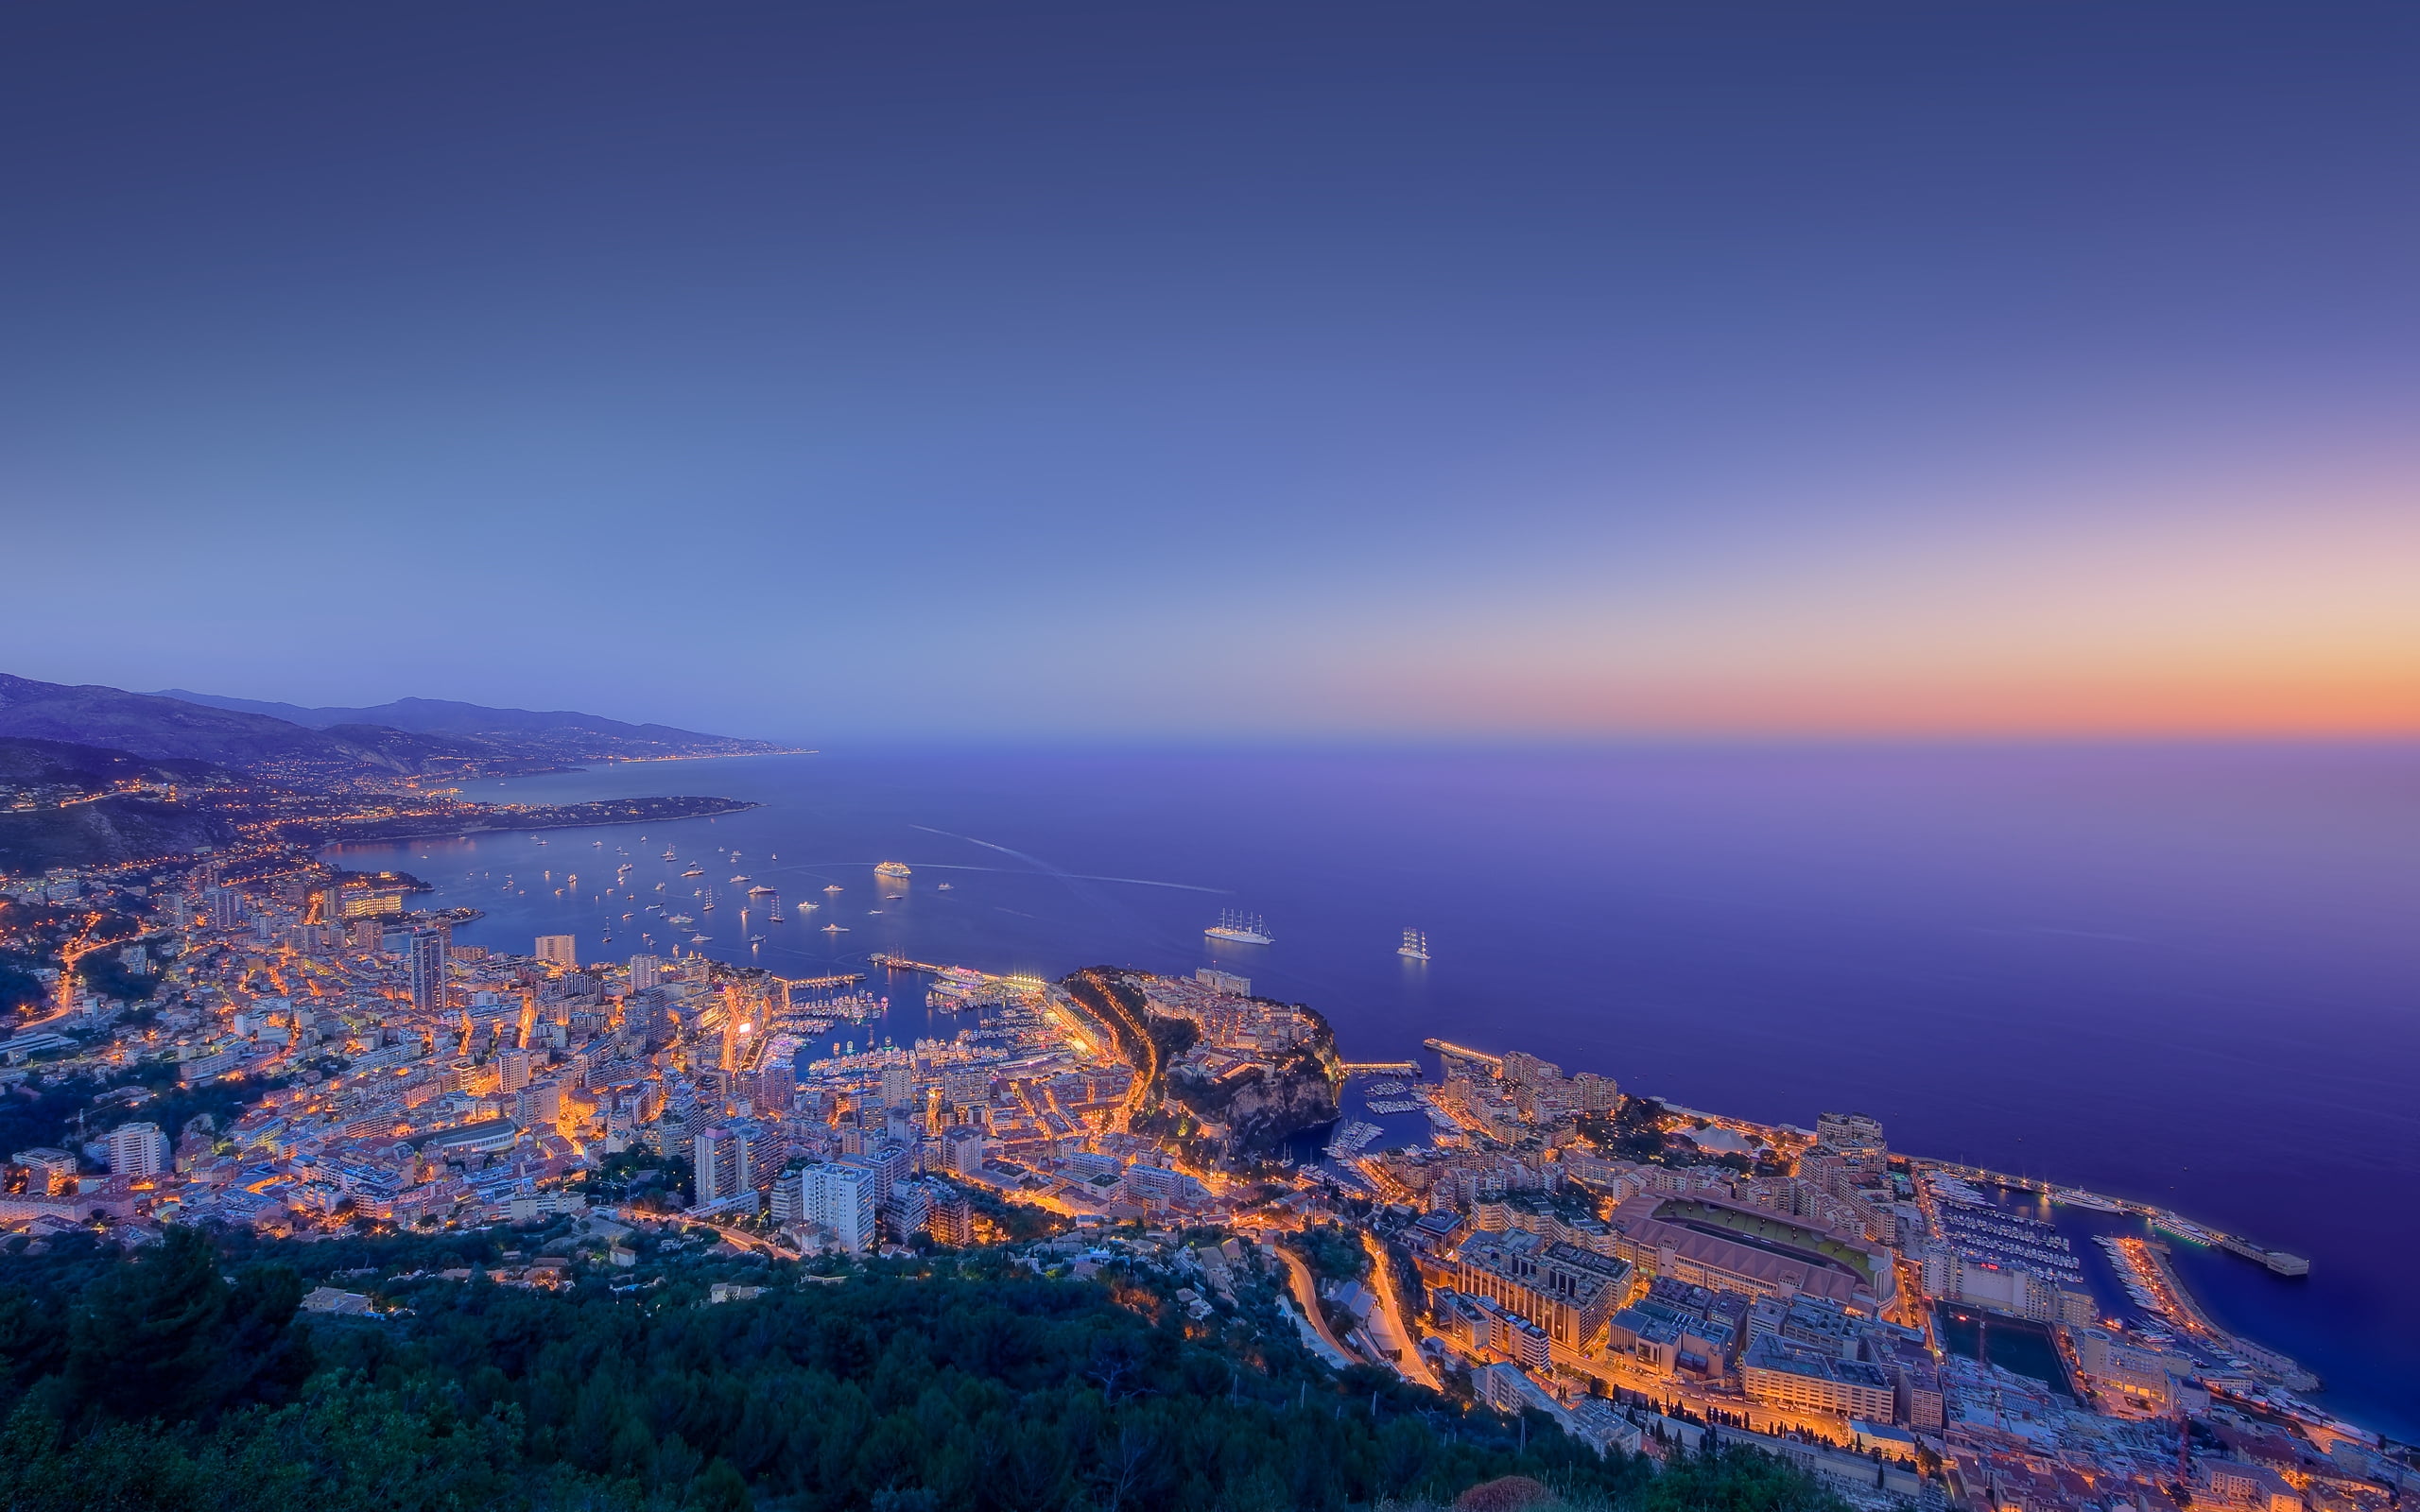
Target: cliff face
(1263, 1108)
(1250, 1112)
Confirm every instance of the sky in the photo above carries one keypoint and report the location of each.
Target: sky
(823, 371)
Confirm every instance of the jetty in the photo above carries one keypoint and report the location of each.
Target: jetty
(1446, 1047)
(2276, 1260)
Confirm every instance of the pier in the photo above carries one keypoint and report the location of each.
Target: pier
(1382, 1068)
(2148, 1260)
(2276, 1260)
(1446, 1047)
(901, 963)
(851, 979)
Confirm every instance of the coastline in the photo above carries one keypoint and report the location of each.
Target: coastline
(499, 820)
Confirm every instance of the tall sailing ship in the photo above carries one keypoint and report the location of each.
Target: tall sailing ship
(1414, 947)
(1239, 928)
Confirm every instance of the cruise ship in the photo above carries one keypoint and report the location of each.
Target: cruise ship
(1240, 928)
(1414, 947)
(891, 869)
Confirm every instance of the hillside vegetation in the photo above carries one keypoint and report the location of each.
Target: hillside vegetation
(162, 1382)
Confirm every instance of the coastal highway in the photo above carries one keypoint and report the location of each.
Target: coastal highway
(1387, 1319)
(1306, 1296)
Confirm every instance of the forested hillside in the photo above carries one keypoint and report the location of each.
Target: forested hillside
(181, 1378)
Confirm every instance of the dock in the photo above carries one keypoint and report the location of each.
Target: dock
(1382, 1068)
(2276, 1260)
(1446, 1047)
(851, 979)
(901, 963)
(2174, 1225)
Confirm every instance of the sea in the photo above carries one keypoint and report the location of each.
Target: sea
(2186, 975)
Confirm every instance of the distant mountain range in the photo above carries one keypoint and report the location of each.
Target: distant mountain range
(409, 737)
(446, 717)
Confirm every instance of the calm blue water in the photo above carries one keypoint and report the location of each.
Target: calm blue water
(2182, 974)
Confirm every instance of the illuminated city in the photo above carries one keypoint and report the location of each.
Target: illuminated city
(954, 757)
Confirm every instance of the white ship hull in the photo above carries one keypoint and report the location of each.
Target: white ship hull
(1239, 936)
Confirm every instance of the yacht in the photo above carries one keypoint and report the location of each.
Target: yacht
(809, 908)
(833, 887)
(694, 870)
(681, 920)
(2078, 1198)
(836, 929)
(699, 939)
(944, 887)
(891, 869)
(1240, 928)
(742, 877)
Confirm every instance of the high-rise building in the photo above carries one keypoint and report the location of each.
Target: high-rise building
(138, 1149)
(226, 907)
(540, 1105)
(513, 1070)
(769, 1148)
(377, 902)
(1524, 1070)
(962, 1149)
(839, 1202)
(1595, 1093)
(719, 1160)
(787, 1204)
(424, 959)
(909, 1209)
(952, 1219)
(898, 1085)
(562, 950)
(1850, 1133)
(646, 971)
(892, 1161)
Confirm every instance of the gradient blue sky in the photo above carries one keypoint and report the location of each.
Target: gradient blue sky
(820, 371)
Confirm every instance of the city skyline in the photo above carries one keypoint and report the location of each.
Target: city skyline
(1265, 376)
(1568, 758)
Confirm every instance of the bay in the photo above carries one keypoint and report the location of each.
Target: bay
(2181, 974)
